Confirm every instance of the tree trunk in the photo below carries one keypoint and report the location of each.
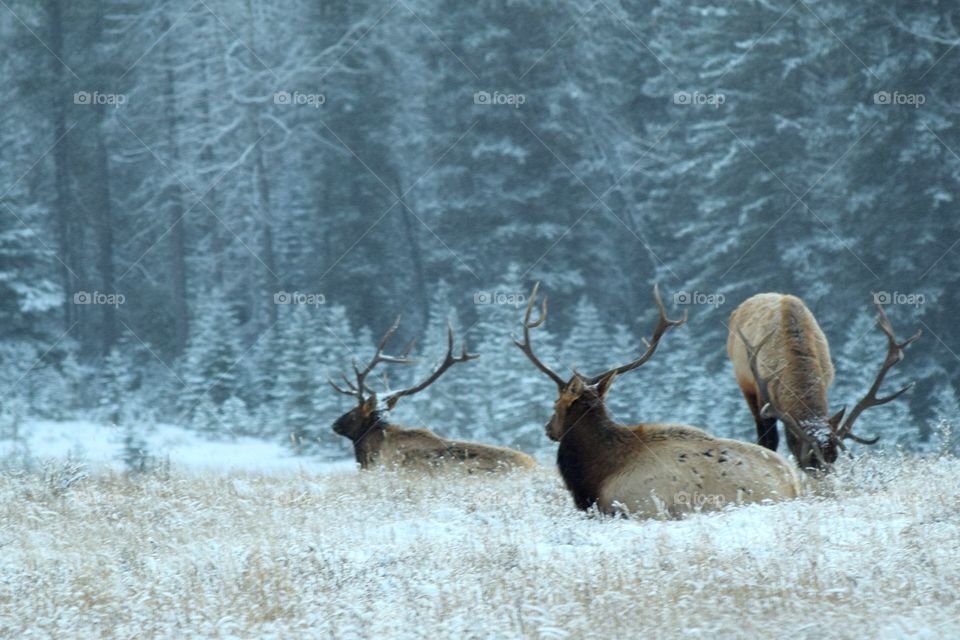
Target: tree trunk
(178, 233)
(263, 213)
(412, 241)
(103, 213)
(266, 235)
(61, 169)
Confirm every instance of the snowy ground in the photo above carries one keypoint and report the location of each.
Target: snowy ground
(343, 554)
(100, 447)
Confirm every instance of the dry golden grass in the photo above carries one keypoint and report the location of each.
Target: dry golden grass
(871, 552)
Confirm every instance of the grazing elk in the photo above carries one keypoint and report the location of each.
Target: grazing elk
(648, 469)
(378, 443)
(790, 372)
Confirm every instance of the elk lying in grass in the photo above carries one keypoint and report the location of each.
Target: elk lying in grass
(378, 443)
(649, 469)
(792, 374)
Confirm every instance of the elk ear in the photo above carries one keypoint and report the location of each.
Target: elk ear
(576, 387)
(369, 405)
(604, 385)
(392, 402)
(836, 419)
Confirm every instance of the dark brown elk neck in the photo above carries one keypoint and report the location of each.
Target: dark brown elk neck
(367, 448)
(801, 389)
(591, 450)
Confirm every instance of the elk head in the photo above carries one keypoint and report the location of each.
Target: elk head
(582, 396)
(368, 415)
(819, 443)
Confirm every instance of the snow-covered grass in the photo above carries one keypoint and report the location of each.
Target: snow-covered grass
(871, 552)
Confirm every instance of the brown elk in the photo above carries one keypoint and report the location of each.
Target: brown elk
(648, 469)
(791, 373)
(378, 443)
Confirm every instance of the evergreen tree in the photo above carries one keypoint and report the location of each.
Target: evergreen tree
(209, 366)
(296, 378)
(947, 411)
(587, 347)
(115, 385)
(746, 147)
(509, 398)
(235, 417)
(443, 406)
(134, 453)
(623, 347)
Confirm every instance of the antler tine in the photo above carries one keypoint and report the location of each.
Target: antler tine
(663, 325)
(463, 345)
(753, 353)
(894, 356)
(526, 346)
(530, 304)
(407, 350)
(366, 389)
(448, 361)
(464, 355)
(346, 392)
(378, 357)
(389, 334)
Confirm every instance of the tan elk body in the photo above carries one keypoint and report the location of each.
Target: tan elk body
(379, 444)
(795, 358)
(394, 447)
(650, 469)
(781, 362)
(797, 348)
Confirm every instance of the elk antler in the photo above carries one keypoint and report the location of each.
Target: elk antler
(664, 324)
(448, 362)
(527, 347)
(767, 409)
(351, 389)
(894, 356)
(357, 390)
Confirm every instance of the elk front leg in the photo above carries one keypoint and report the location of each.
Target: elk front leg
(767, 435)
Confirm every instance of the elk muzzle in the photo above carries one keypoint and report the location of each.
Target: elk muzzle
(554, 428)
(818, 451)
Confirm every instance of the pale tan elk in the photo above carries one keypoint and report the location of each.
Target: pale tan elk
(378, 443)
(649, 469)
(793, 373)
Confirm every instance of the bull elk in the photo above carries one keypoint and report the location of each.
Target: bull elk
(781, 360)
(648, 469)
(378, 443)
